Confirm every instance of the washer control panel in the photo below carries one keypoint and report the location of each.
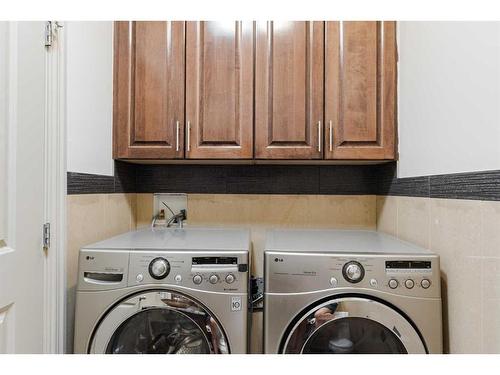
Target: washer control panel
(411, 275)
(212, 273)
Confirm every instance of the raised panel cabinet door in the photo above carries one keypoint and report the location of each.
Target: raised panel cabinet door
(360, 90)
(289, 90)
(148, 104)
(219, 90)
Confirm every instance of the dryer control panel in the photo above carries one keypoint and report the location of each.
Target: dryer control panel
(411, 275)
(208, 271)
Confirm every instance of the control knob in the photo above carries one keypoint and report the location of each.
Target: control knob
(197, 279)
(393, 283)
(213, 279)
(409, 283)
(353, 272)
(159, 268)
(425, 283)
(230, 278)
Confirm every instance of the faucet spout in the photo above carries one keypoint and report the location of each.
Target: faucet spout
(178, 218)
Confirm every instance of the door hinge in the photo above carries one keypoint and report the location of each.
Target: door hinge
(49, 35)
(46, 236)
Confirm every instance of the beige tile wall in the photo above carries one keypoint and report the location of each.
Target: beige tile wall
(466, 234)
(92, 218)
(144, 214)
(261, 212)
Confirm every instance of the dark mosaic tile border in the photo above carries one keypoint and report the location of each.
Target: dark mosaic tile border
(122, 182)
(254, 179)
(286, 179)
(125, 177)
(474, 185)
(83, 183)
(479, 185)
(389, 184)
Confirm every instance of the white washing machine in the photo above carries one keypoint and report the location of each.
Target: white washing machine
(164, 291)
(341, 291)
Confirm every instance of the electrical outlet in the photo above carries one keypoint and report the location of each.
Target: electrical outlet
(175, 201)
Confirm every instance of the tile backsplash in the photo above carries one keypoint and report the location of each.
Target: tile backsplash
(465, 233)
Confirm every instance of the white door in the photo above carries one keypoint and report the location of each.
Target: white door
(22, 192)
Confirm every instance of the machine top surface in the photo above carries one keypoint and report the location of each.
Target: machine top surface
(338, 241)
(185, 239)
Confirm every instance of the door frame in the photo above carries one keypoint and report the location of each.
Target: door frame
(55, 200)
(54, 268)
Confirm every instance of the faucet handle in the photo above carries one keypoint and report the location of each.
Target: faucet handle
(180, 217)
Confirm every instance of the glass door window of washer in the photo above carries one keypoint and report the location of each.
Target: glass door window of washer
(159, 322)
(353, 325)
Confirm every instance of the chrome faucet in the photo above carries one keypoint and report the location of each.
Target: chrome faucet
(175, 218)
(178, 218)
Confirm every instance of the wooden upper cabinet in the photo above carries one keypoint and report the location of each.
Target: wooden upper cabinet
(148, 104)
(264, 90)
(219, 90)
(289, 90)
(360, 90)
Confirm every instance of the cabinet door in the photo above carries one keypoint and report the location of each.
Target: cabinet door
(289, 90)
(219, 90)
(360, 90)
(149, 90)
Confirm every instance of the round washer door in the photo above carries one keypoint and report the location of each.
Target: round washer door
(159, 322)
(354, 325)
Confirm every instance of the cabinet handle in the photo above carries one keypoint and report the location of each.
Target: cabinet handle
(188, 131)
(319, 136)
(177, 136)
(331, 136)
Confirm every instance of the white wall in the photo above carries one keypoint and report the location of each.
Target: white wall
(449, 97)
(89, 78)
(3, 130)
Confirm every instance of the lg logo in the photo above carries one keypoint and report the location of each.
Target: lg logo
(278, 259)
